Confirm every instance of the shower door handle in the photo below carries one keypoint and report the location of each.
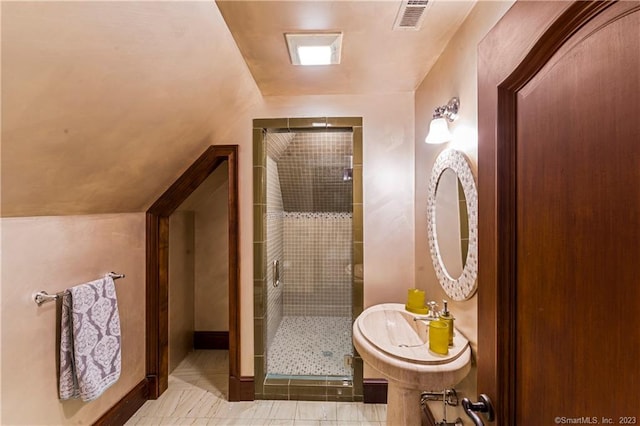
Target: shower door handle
(276, 273)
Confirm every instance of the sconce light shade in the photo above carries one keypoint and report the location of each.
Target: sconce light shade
(438, 131)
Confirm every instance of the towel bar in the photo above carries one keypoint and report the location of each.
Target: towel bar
(44, 297)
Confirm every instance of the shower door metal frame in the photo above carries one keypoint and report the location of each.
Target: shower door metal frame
(317, 390)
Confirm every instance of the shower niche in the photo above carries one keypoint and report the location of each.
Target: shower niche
(307, 239)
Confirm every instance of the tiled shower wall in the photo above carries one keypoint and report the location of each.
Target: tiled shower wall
(275, 144)
(275, 248)
(311, 171)
(317, 252)
(305, 180)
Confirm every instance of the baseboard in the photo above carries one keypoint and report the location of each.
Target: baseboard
(375, 391)
(126, 407)
(242, 388)
(211, 340)
(153, 389)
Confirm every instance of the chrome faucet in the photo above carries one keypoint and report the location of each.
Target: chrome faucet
(432, 315)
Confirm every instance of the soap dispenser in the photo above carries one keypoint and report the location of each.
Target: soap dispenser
(446, 316)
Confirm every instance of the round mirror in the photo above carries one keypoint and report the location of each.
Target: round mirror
(452, 229)
(452, 224)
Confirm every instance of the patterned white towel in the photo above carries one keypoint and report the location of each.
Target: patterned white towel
(90, 340)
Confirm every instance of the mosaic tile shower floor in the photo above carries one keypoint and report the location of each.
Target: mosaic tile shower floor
(311, 346)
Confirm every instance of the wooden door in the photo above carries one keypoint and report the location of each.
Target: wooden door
(559, 214)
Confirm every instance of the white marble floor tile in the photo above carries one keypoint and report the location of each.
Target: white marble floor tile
(197, 396)
(283, 410)
(133, 420)
(229, 422)
(145, 410)
(260, 422)
(340, 423)
(306, 423)
(184, 382)
(167, 403)
(189, 400)
(144, 420)
(207, 406)
(236, 410)
(263, 409)
(217, 384)
(197, 403)
(349, 412)
(373, 413)
(176, 421)
(381, 409)
(280, 422)
(169, 421)
(320, 410)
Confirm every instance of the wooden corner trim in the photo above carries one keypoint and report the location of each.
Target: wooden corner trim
(157, 240)
(241, 388)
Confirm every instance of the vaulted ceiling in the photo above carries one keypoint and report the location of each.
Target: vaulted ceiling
(105, 104)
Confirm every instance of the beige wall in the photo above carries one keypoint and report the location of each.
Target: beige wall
(52, 254)
(242, 136)
(388, 146)
(198, 265)
(454, 74)
(212, 254)
(181, 286)
(149, 84)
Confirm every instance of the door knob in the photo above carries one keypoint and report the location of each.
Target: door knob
(482, 406)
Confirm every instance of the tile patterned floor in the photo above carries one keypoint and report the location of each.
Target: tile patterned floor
(197, 395)
(311, 346)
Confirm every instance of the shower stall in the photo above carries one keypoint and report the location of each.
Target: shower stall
(305, 259)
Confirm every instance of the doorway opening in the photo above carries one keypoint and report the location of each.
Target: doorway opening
(157, 303)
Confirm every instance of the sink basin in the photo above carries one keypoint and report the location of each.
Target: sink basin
(389, 339)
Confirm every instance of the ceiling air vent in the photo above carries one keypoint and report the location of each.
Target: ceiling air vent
(410, 15)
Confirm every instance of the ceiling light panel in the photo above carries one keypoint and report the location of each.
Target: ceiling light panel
(314, 49)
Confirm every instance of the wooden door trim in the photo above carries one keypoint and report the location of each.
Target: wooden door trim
(502, 71)
(157, 281)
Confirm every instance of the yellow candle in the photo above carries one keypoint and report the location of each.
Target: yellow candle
(415, 298)
(439, 337)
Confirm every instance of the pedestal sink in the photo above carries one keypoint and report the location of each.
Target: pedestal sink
(389, 339)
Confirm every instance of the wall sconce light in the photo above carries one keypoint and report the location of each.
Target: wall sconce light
(439, 129)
